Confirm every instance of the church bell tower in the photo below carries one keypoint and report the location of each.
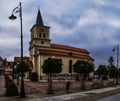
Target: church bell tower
(40, 38)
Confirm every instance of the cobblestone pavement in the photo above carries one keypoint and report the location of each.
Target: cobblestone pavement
(2, 86)
(36, 91)
(39, 89)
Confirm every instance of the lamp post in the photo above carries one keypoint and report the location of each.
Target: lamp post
(116, 48)
(18, 9)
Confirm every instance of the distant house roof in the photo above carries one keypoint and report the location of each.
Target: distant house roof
(26, 59)
(18, 59)
(29, 63)
(8, 69)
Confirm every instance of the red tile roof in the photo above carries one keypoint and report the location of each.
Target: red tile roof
(57, 46)
(18, 59)
(26, 59)
(62, 53)
(29, 63)
(8, 69)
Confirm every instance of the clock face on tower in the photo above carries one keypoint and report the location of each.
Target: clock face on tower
(42, 30)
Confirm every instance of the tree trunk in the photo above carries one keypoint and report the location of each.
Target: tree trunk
(50, 89)
(83, 82)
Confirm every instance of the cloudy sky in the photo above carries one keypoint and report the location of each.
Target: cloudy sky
(90, 24)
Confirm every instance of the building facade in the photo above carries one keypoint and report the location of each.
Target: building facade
(2, 65)
(41, 49)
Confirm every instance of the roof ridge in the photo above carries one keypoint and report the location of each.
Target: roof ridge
(56, 52)
(69, 48)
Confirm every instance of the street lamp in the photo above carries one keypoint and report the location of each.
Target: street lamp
(18, 9)
(116, 48)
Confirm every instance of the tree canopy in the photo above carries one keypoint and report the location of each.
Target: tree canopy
(102, 70)
(52, 65)
(83, 67)
(22, 67)
(113, 71)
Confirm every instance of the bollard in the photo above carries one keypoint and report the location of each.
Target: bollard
(67, 86)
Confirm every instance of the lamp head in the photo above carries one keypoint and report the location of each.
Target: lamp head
(113, 49)
(12, 17)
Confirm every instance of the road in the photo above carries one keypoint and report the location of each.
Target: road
(115, 97)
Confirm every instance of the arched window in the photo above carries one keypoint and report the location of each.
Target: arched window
(70, 66)
(40, 35)
(44, 35)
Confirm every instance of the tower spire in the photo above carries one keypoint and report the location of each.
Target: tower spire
(39, 20)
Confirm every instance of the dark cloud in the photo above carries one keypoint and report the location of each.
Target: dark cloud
(66, 21)
(90, 24)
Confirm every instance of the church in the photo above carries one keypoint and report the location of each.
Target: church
(41, 48)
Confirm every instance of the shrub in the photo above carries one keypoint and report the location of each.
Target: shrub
(6, 79)
(11, 89)
(34, 76)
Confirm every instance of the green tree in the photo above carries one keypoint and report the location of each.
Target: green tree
(119, 72)
(83, 68)
(102, 71)
(22, 67)
(113, 71)
(11, 88)
(51, 65)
